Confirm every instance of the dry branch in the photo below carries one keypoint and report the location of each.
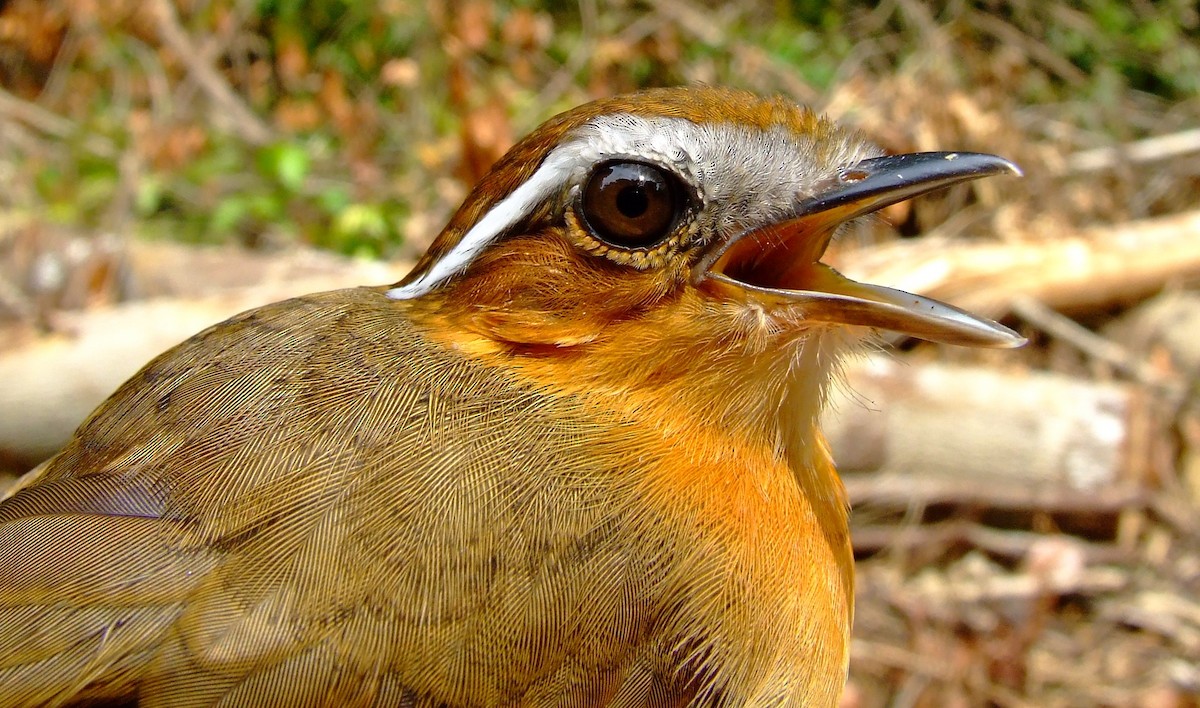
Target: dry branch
(1155, 149)
(935, 592)
(51, 124)
(248, 125)
(939, 433)
(49, 384)
(998, 492)
(1094, 345)
(1002, 543)
(1092, 270)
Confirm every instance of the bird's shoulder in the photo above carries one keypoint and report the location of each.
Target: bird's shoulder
(343, 375)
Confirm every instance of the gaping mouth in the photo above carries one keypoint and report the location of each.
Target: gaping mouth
(781, 264)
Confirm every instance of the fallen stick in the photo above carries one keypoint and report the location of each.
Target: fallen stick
(1091, 270)
(943, 592)
(906, 492)
(1008, 544)
(936, 433)
(1155, 149)
(49, 384)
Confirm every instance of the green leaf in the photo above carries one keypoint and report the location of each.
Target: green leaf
(361, 220)
(228, 214)
(266, 207)
(286, 163)
(149, 196)
(334, 200)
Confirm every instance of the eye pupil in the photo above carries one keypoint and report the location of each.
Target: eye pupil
(631, 204)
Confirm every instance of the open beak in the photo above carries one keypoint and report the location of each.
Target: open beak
(780, 263)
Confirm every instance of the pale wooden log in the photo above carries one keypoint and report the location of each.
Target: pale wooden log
(157, 269)
(1090, 270)
(49, 384)
(935, 591)
(937, 433)
(992, 490)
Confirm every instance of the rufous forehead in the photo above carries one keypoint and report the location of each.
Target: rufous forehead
(708, 105)
(698, 105)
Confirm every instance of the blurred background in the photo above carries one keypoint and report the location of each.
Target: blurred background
(1027, 523)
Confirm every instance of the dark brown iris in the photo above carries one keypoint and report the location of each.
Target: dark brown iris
(631, 204)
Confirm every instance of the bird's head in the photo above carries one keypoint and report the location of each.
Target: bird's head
(677, 234)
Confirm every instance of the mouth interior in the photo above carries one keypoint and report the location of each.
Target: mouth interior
(781, 262)
(778, 257)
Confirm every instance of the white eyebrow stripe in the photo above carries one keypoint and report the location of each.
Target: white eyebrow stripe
(554, 171)
(670, 139)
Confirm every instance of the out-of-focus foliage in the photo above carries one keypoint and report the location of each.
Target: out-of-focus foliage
(358, 126)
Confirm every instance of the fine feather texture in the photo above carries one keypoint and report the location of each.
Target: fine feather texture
(322, 502)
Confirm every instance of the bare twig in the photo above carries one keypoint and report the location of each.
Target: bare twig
(1178, 513)
(64, 62)
(247, 125)
(51, 123)
(1011, 545)
(565, 76)
(920, 665)
(899, 658)
(1168, 614)
(899, 492)
(1158, 148)
(1058, 65)
(1092, 344)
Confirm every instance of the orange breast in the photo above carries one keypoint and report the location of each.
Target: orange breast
(745, 535)
(764, 575)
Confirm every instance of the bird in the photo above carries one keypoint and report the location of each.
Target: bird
(573, 458)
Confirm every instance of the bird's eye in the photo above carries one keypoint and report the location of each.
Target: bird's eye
(631, 204)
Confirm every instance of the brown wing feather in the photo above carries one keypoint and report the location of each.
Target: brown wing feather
(310, 502)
